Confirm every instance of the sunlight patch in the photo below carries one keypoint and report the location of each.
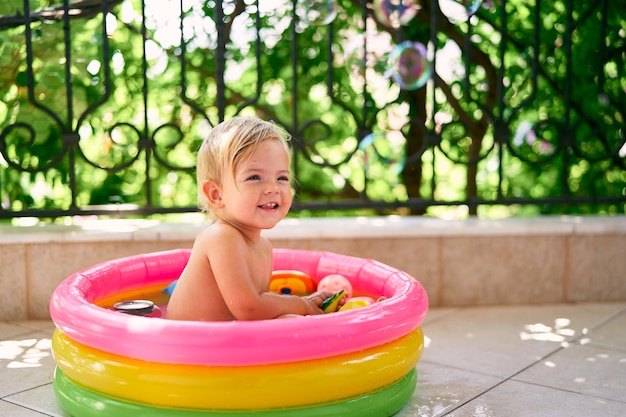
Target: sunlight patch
(27, 353)
(542, 332)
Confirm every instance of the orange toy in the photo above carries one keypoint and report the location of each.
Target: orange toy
(291, 282)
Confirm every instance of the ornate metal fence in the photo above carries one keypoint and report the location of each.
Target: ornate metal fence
(393, 106)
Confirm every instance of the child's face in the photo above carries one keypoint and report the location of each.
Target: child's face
(262, 196)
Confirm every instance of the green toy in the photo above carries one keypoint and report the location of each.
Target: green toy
(331, 304)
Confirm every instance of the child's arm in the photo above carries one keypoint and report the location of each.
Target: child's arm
(244, 286)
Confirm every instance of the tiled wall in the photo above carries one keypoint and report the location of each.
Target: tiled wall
(469, 262)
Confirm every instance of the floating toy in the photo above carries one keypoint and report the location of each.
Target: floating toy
(291, 282)
(138, 308)
(356, 302)
(331, 304)
(335, 282)
(170, 288)
(357, 362)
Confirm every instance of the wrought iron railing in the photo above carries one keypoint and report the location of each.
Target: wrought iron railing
(393, 106)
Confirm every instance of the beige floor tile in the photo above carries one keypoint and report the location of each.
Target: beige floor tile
(518, 399)
(44, 325)
(12, 410)
(504, 340)
(470, 352)
(610, 334)
(11, 329)
(440, 389)
(41, 399)
(586, 369)
(435, 313)
(25, 362)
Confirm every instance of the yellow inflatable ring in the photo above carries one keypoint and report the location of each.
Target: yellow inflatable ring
(305, 383)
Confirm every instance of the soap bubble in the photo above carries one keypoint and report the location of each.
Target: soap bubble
(395, 13)
(408, 65)
(316, 12)
(534, 138)
(386, 148)
(471, 6)
(460, 10)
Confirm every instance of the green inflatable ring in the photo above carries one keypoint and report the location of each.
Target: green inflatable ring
(80, 402)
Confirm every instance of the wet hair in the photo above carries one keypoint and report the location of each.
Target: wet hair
(226, 145)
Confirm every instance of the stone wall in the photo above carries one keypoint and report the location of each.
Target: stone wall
(459, 262)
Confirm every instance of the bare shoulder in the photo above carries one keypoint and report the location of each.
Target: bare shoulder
(265, 245)
(225, 246)
(219, 235)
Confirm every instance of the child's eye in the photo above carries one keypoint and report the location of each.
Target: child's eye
(254, 178)
(283, 178)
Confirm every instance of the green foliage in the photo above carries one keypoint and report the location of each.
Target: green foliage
(528, 103)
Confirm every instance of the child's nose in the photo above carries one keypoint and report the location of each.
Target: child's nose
(271, 187)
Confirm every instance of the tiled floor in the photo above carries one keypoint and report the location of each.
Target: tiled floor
(547, 360)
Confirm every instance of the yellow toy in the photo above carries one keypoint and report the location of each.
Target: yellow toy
(356, 302)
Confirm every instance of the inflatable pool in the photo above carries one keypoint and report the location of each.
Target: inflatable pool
(358, 362)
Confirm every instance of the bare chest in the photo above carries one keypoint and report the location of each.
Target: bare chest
(261, 265)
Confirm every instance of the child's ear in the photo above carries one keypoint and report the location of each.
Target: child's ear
(212, 193)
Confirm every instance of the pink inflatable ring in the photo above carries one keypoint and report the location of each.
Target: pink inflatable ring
(236, 343)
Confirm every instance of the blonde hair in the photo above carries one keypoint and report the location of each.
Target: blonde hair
(223, 149)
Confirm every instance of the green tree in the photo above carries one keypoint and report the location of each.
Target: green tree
(526, 100)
